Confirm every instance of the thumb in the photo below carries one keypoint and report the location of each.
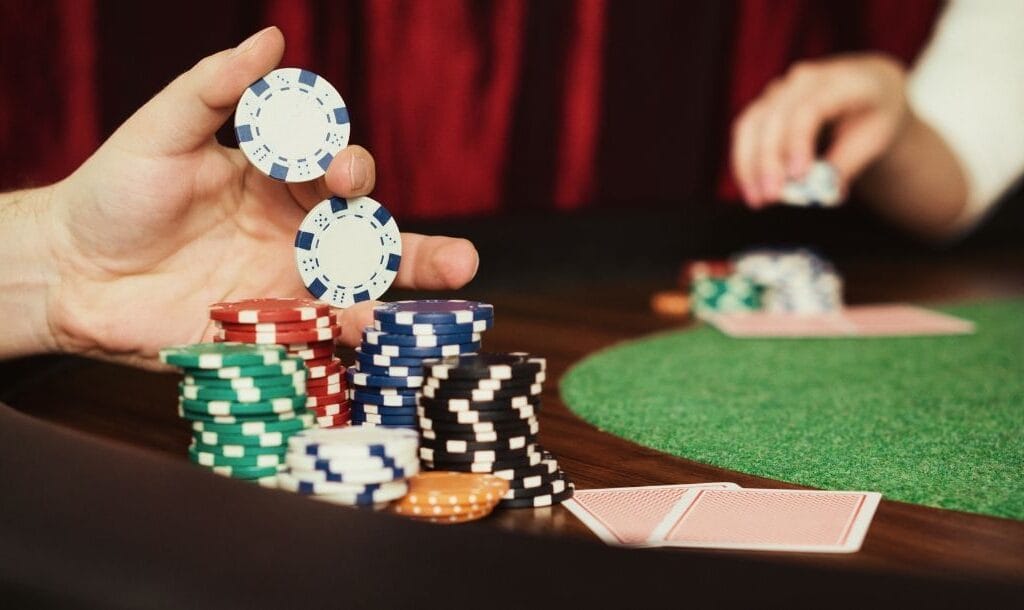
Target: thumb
(190, 110)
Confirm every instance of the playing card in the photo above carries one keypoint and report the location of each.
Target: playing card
(768, 520)
(856, 321)
(628, 515)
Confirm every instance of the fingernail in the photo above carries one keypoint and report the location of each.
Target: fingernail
(248, 43)
(359, 173)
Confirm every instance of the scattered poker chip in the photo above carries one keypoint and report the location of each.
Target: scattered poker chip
(291, 124)
(269, 439)
(431, 489)
(286, 366)
(477, 326)
(450, 445)
(283, 406)
(472, 417)
(247, 472)
(466, 404)
(241, 395)
(382, 360)
(369, 494)
(296, 378)
(219, 355)
(348, 251)
(213, 459)
(329, 399)
(486, 384)
(519, 426)
(237, 450)
(487, 366)
(433, 312)
(481, 395)
(295, 336)
(390, 371)
(387, 400)
(254, 311)
(341, 466)
(539, 501)
(375, 337)
(383, 381)
(251, 428)
(277, 327)
(397, 351)
(353, 443)
(430, 454)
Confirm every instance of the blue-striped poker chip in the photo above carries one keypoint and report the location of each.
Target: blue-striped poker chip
(339, 468)
(291, 123)
(477, 326)
(436, 311)
(363, 408)
(348, 250)
(382, 360)
(358, 378)
(398, 351)
(386, 420)
(387, 400)
(390, 371)
(378, 337)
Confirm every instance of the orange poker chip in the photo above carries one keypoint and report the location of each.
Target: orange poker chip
(453, 488)
(672, 303)
(463, 518)
(439, 510)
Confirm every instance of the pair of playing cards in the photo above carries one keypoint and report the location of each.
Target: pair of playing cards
(725, 516)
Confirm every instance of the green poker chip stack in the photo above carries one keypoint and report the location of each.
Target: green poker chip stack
(711, 295)
(244, 402)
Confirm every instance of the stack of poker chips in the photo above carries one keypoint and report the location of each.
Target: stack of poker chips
(388, 372)
(793, 281)
(819, 187)
(478, 414)
(244, 402)
(306, 329)
(354, 466)
(712, 294)
(451, 497)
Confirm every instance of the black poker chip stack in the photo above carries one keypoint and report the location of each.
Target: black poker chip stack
(478, 413)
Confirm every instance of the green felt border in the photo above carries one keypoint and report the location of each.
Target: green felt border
(931, 420)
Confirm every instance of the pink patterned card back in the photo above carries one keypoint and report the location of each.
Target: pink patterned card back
(628, 515)
(769, 520)
(856, 321)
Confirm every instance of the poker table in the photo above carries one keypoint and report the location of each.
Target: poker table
(102, 507)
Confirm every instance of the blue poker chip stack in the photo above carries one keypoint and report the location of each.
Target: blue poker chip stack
(389, 370)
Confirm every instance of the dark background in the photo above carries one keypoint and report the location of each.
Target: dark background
(574, 137)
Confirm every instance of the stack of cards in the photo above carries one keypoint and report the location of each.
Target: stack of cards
(724, 516)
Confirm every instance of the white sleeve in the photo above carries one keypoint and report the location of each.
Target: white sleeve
(968, 85)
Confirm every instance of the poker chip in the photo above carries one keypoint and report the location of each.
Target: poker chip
(445, 428)
(345, 493)
(398, 351)
(525, 481)
(312, 351)
(376, 337)
(451, 445)
(390, 371)
(467, 404)
(256, 427)
(334, 421)
(547, 467)
(819, 187)
(255, 311)
(318, 371)
(481, 395)
(336, 409)
(329, 399)
(430, 454)
(433, 312)
(241, 395)
(460, 518)
(448, 494)
(332, 379)
(294, 379)
(555, 485)
(383, 381)
(714, 295)
(531, 459)
(269, 439)
(219, 355)
(214, 459)
(796, 281)
(389, 400)
(325, 390)
(385, 410)
(340, 466)
(236, 450)
(385, 420)
(430, 436)
(252, 473)
(348, 251)
(363, 358)
(541, 500)
(477, 326)
(285, 405)
(286, 366)
(487, 366)
(295, 336)
(472, 417)
(277, 327)
(353, 443)
(291, 123)
(487, 384)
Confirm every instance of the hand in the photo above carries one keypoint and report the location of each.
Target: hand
(162, 221)
(862, 97)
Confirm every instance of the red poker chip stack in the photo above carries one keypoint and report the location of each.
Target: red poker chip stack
(700, 269)
(307, 329)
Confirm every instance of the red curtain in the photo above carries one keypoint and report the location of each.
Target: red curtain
(470, 108)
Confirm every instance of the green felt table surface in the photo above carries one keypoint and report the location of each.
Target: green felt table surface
(931, 420)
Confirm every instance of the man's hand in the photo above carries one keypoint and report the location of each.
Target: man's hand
(862, 98)
(162, 221)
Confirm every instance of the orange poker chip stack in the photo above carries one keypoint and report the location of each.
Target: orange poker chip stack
(451, 497)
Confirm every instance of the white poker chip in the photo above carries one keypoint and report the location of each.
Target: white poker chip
(291, 123)
(348, 250)
(818, 187)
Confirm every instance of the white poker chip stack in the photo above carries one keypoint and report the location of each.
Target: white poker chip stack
(795, 281)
